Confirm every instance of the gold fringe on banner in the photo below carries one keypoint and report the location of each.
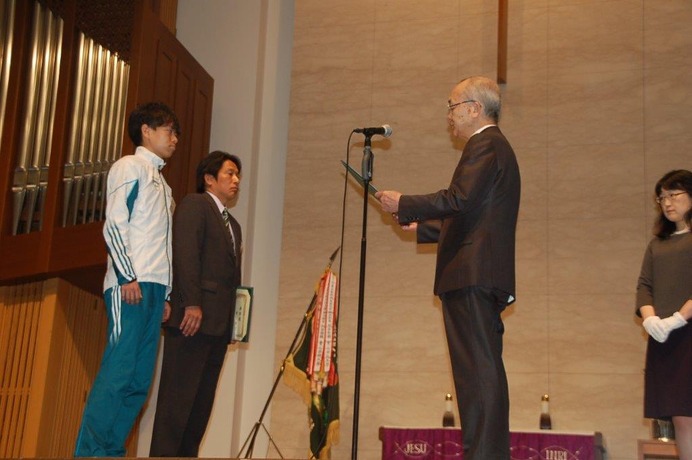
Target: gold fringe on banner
(297, 380)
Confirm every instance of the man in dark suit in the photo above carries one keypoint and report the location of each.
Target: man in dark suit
(207, 245)
(474, 222)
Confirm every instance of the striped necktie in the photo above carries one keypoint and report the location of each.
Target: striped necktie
(227, 220)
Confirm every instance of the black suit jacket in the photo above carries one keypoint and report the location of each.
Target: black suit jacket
(474, 220)
(206, 269)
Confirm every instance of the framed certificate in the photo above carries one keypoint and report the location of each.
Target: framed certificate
(243, 313)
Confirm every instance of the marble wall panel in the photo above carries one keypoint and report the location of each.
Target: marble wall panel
(596, 181)
(596, 256)
(602, 327)
(424, 43)
(668, 103)
(527, 50)
(414, 331)
(323, 120)
(532, 277)
(531, 258)
(533, 166)
(333, 13)
(525, 113)
(406, 11)
(525, 391)
(526, 341)
(595, 108)
(666, 41)
(604, 36)
(334, 47)
(477, 43)
(475, 7)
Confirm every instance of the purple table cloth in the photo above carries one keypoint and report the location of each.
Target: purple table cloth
(445, 444)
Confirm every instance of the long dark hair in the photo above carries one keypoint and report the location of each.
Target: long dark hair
(679, 179)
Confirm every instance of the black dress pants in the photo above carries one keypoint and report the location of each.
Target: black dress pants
(189, 375)
(474, 336)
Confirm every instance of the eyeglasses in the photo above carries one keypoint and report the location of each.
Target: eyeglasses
(451, 106)
(670, 196)
(170, 130)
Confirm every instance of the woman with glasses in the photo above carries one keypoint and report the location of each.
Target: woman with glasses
(664, 301)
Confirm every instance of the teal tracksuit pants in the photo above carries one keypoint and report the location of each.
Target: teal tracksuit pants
(122, 383)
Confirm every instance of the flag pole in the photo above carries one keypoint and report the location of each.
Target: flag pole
(250, 440)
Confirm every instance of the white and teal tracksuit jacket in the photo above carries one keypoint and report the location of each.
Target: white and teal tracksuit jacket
(139, 216)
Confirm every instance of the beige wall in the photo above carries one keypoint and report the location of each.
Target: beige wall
(597, 108)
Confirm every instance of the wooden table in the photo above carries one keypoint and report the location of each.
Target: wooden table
(656, 448)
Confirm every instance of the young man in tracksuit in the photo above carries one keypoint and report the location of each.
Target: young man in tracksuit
(137, 233)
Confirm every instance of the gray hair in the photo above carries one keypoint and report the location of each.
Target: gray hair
(485, 91)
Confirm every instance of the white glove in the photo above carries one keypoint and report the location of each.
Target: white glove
(674, 321)
(656, 328)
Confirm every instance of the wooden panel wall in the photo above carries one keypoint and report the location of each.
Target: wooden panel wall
(73, 350)
(54, 334)
(19, 318)
(164, 70)
(167, 12)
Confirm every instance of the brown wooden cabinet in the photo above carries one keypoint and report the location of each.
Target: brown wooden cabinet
(165, 71)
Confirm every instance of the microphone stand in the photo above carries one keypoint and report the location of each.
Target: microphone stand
(367, 177)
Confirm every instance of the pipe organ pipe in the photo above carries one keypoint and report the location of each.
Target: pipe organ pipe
(53, 79)
(19, 188)
(85, 133)
(23, 160)
(117, 152)
(117, 133)
(114, 116)
(7, 29)
(96, 131)
(100, 146)
(75, 133)
(38, 152)
(34, 127)
(31, 173)
(105, 145)
(34, 154)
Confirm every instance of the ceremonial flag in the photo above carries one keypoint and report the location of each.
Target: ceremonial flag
(310, 369)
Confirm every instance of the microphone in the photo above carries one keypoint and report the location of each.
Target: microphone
(384, 130)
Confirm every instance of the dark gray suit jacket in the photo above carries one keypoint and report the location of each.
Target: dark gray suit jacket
(206, 269)
(474, 220)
